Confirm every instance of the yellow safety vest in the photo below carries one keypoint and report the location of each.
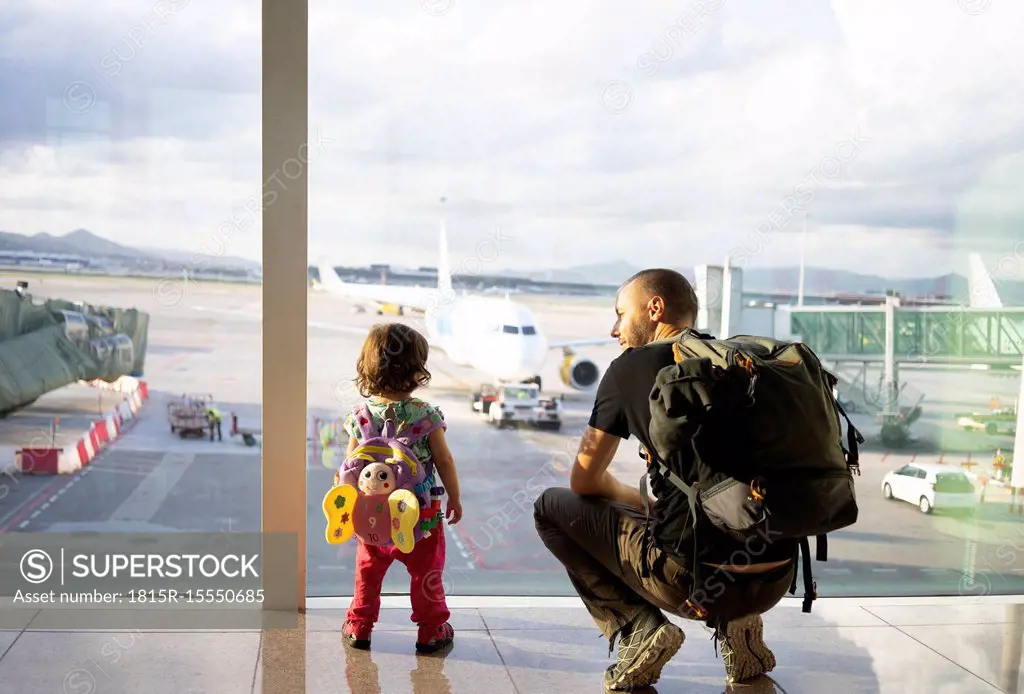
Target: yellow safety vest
(214, 413)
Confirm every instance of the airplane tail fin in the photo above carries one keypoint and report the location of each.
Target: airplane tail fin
(444, 275)
(329, 279)
(981, 288)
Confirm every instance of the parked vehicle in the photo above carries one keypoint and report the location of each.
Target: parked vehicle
(507, 405)
(931, 486)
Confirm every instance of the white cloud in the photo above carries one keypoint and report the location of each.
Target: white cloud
(499, 107)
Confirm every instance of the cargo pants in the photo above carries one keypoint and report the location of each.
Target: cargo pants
(601, 545)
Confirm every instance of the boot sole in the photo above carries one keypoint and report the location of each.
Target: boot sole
(646, 669)
(753, 658)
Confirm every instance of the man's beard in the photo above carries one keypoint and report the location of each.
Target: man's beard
(640, 335)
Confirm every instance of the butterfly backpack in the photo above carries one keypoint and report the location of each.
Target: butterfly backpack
(382, 492)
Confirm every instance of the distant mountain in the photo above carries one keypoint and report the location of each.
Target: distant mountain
(78, 242)
(92, 245)
(614, 272)
(827, 281)
(85, 243)
(11, 242)
(816, 281)
(202, 260)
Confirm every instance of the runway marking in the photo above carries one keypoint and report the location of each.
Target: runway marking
(884, 571)
(123, 471)
(19, 513)
(144, 502)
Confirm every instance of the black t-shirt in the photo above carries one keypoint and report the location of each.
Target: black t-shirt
(622, 409)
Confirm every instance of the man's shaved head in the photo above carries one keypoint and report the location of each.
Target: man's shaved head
(650, 298)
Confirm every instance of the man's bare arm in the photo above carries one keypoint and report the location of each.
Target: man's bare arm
(590, 475)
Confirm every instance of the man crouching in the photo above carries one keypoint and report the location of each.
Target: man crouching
(628, 568)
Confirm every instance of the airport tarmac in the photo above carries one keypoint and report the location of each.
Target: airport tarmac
(152, 480)
(57, 418)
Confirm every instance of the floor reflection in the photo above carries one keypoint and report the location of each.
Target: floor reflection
(363, 675)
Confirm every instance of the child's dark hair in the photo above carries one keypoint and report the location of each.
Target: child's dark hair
(393, 360)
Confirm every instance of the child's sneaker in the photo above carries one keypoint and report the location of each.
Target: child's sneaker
(356, 635)
(433, 639)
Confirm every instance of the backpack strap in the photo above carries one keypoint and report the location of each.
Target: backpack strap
(810, 587)
(390, 428)
(691, 344)
(677, 481)
(853, 437)
(364, 420)
(420, 429)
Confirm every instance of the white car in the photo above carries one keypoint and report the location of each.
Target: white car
(931, 486)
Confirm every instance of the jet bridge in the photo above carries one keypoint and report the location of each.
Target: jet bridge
(851, 339)
(46, 345)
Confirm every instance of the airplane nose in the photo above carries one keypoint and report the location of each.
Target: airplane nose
(526, 351)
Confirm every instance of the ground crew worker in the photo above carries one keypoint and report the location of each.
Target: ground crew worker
(213, 416)
(999, 465)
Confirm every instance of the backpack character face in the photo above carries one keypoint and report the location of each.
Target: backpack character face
(376, 478)
(380, 496)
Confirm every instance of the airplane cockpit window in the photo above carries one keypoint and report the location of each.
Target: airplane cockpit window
(510, 329)
(529, 330)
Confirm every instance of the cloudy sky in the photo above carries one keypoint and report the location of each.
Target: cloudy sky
(652, 132)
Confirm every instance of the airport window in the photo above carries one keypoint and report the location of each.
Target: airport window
(608, 166)
(130, 171)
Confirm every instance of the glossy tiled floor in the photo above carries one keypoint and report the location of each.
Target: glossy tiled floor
(843, 647)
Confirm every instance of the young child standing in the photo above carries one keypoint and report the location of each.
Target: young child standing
(391, 366)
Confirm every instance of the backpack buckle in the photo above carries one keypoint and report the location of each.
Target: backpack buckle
(757, 492)
(750, 391)
(698, 612)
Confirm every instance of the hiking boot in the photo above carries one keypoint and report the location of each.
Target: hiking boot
(433, 639)
(645, 646)
(356, 635)
(743, 650)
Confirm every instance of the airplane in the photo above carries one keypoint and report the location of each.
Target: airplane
(982, 293)
(496, 336)
(981, 289)
(394, 299)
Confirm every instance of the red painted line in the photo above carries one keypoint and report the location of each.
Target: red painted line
(44, 494)
(58, 484)
(885, 456)
(467, 541)
(520, 567)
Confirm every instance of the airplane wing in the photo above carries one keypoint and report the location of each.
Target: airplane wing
(584, 342)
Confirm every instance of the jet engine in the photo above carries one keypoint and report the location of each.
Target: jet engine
(578, 372)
